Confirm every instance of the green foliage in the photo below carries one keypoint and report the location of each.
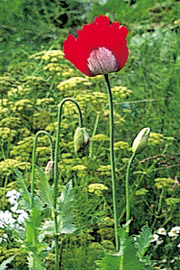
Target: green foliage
(45, 191)
(142, 243)
(24, 191)
(34, 79)
(130, 255)
(65, 210)
(125, 259)
(4, 264)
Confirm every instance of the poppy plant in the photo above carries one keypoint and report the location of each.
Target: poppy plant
(100, 47)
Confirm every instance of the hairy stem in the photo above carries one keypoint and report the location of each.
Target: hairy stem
(56, 174)
(114, 189)
(127, 191)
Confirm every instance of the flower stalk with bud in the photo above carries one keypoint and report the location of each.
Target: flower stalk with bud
(51, 170)
(139, 144)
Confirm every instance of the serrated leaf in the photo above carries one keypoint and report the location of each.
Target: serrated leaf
(65, 207)
(32, 232)
(64, 202)
(143, 241)
(48, 228)
(35, 263)
(25, 193)
(4, 264)
(126, 259)
(44, 189)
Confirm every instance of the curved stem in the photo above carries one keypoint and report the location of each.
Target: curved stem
(127, 191)
(114, 189)
(56, 175)
(34, 160)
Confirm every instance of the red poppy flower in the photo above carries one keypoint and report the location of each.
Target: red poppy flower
(100, 47)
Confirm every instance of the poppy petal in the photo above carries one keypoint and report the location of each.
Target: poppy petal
(100, 34)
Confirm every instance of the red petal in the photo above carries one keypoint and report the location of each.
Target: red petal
(95, 35)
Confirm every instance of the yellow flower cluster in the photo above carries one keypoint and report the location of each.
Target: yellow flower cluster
(3, 112)
(121, 92)
(79, 168)
(22, 106)
(121, 145)
(73, 84)
(11, 122)
(43, 151)
(23, 150)
(166, 183)
(44, 101)
(104, 170)
(100, 138)
(97, 188)
(46, 55)
(155, 138)
(109, 221)
(96, 100)
(7, 166)
(7, 134)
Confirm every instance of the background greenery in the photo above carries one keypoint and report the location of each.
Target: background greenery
(34, 79)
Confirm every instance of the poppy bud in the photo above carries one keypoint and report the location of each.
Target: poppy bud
(49, 170)
(141, 141)
(81, 141)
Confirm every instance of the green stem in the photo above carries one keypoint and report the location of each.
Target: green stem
(159, 207)
(56, 174)
(127, 191)
(135, 187)
(114, 188)
(34, 160)
(94, 132)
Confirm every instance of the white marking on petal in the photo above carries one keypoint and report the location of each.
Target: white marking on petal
(102, 61)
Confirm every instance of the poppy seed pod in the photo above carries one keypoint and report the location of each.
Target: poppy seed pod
(141, 141)
(49, 170)
(81, 141)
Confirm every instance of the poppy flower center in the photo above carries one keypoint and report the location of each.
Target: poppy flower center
(102, 61)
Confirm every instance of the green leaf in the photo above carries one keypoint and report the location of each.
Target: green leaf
(32, 242)
(45, 191)
(48, 228)
(126, 259)
(4, 264)
(25, 193)
(65, 216)
(143, 241)
(65, 207)
(35, 262)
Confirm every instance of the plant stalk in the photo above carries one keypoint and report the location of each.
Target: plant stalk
(56, 173)
(127, 191)
(114, 184)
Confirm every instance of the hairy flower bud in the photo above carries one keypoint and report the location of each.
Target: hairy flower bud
(141, 141)
(81, 141)
(49, 170)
